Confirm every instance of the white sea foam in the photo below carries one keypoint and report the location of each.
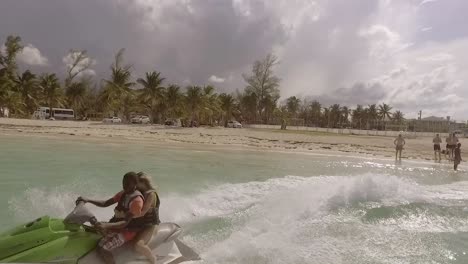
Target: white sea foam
(292, 219)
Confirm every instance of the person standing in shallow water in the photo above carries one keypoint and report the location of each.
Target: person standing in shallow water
(399, 143)
(454, 143)
(437, 141)
(457, 156)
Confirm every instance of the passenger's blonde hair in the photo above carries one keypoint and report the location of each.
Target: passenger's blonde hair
(146, 180)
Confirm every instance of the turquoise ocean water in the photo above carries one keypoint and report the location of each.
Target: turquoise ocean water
(244, 206)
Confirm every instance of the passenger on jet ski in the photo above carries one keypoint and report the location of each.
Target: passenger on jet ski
(150, 216)
(123, 227)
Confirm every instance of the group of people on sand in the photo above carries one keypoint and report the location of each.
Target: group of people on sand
(136, 217)
(452, 150)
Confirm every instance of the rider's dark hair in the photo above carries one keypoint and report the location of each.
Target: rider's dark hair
(131, 177)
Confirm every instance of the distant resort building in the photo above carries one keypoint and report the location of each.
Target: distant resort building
(435, 124)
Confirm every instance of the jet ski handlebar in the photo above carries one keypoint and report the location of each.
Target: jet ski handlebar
(80, 214)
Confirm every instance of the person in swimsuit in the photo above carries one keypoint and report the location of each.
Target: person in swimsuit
(437, 141)
(457, 157)
(399, 143)
(149, 217)
(448, 140)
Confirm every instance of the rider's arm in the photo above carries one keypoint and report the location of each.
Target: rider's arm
(118, 225)
(149, 202)
(105, 203)
(135, 211)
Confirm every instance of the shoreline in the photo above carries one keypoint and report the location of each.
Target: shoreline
(288, 141)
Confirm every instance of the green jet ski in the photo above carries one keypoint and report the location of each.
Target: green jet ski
(70, 240)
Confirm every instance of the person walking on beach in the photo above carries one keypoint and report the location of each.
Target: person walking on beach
(437, 141)
(448, 140)
(399, 143)
(457, 157)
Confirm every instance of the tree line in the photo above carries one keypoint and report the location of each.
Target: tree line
(123, 94)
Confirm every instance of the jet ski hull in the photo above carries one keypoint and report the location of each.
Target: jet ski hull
(164, 244)
(47, 240)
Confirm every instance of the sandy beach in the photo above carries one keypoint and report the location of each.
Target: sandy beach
(275, 140)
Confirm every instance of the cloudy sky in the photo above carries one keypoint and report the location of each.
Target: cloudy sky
(412, 54)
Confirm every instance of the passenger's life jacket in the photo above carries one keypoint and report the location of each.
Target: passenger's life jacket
(123, 207)
(152, 216)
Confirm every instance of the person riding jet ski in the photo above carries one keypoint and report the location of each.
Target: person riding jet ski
(128, 219)
(150, 217)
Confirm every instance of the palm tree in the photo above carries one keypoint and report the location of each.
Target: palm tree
(326, 117)
(91, 105)
(129, 104)
(269, 103)
(174, 99)
(152, 93)
(316, 111)
(227, 105)
(118, 86)
(194, 99)
(27, 85)
(248, 106)
(398, 117)
(12, 47)
(345, 113)
(358, 115)
(292, 104)
(371, 115)
(77, 93)
(9, 98)
(335, 114)
(52, 91)
(384, 112)
(210, 104)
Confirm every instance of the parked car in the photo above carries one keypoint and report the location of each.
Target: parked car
(173, 122)
(140, 120)
(234, 124)
(112, 120)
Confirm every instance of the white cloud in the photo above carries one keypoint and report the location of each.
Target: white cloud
(216, 79)
(427, 2)
(383, 41)
(426, 29)
(31, 55)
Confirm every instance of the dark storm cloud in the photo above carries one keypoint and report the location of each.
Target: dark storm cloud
(210, 39)
(55, 26)
(322, 45)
